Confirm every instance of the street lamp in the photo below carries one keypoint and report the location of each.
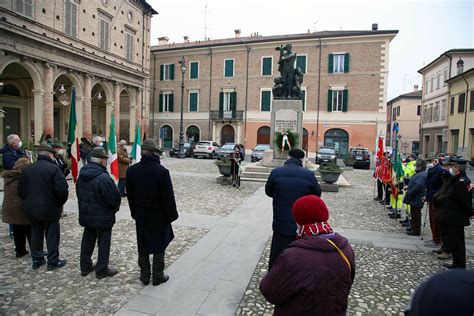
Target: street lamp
(181, 154)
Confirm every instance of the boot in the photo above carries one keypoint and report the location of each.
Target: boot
(413, 233)
(145, 269)
(395, 215)
(158, 267)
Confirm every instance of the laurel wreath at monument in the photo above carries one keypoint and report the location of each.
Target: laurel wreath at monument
(292, 139)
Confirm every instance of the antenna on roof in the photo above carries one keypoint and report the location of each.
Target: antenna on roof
(205, 21)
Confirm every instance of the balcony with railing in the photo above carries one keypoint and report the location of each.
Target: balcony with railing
(227, 115)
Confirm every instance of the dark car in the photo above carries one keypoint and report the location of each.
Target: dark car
(326, 155)
(226, 150)
(188, 150)
(361, 157)
(257, 153)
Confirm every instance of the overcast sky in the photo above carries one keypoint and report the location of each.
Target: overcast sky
(426, 28)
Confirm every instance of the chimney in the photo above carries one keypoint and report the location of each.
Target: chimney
(415, 88)
(237, 33)
(375, 26)
(460, 65)
(186, 38)
(163, 40)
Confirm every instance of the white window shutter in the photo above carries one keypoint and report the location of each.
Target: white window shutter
(73, 19)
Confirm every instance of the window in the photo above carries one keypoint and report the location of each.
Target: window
(338, 63)
(104, 35)
(418, 110)
(432, 83)
(166, 102)
(193, 101)
(70, 19)
(394, 114)
(227, 104)
(24, 7)
(436, 114)
(228, 68)
(454, 140)
(265, 100)
(301, 63)
(443, 110)
(398, 111)
(129, 37)
(445, 76)
(438, 80)
(461, 100)
(167, 72)
(194, 70)
(471, 102)
(430, 113)
(337, 100)
(303, 99)
(267, 64)
(451, 107)
(427, 85)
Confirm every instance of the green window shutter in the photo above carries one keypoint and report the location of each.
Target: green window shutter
(345, 99)
(303, 99)
(330, 63)
(266, 99)
(193, 98)
(233, 104)
(171, 104)
(172, 72)
(266, 66)
(229, 68)
(194, 74)
(346, 62)
(329, 100)
(221, 104)
(162, 72)
(301, 62)
(161, 102)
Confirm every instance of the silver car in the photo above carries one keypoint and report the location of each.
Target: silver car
(206, 149)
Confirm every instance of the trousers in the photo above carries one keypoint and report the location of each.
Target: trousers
(415, 213)
(121, 186)
(456, 243)
(279, 244)
(90, 236)
(158, 265)
(21, 234)
(40, 230)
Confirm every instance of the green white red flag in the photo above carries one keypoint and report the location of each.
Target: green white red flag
(72, 139)
(137, 148)
(112, 147)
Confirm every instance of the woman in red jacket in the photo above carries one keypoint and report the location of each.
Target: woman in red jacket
(314, 275)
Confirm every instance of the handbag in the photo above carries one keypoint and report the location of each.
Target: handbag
(342, 254)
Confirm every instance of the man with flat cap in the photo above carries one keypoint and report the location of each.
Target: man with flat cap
(44, 188)
(99, 199)
(285, 185)
(153, 207)
(457, 208)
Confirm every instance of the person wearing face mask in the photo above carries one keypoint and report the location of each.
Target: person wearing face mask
(44, 190)
(457, 208)
(99, 199)
(58, 159)
(434, 182)
(415, 196)
(12, 151)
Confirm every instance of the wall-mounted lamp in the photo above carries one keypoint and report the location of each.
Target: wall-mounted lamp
(98, 96)
(61, 89)
(2, 113)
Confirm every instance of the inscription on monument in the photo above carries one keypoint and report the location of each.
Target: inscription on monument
(286, 120)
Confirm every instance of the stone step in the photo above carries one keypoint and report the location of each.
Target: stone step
(258, 169)
(255, 175)
(242, 179)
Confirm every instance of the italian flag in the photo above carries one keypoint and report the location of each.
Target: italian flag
(72, 138)
(112, 146)
(137, 148)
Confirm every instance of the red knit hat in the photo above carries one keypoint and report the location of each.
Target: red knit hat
(310, 209)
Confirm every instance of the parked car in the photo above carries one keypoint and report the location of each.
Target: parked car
(326, 155)
(188, 150)
(257, 153)
(225, 150)
(361, 156)
(206, 149)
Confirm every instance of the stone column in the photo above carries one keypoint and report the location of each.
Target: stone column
(79, 116)
(138, 110)
(38, 102)
(213, 136)
(109, 106)
(48, 107)
(87, 108)
(117, 87)
(239, 133)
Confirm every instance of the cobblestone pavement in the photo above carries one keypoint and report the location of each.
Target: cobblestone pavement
(64, 291)
(385, 280)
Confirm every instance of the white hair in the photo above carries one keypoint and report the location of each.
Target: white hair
(96, 159)
(11, 138)
(97, 138)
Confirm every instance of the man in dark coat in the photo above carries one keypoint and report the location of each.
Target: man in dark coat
(153, 207)
(59, 159)
(99, 200)
(43, 187)
(415, 196)
(285, 185)
(457, 209)
(11, 151)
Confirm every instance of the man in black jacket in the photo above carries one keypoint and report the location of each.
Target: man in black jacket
(153, 207)
(457, 208)
(285, 185)
(99, 200)
(43, 187)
